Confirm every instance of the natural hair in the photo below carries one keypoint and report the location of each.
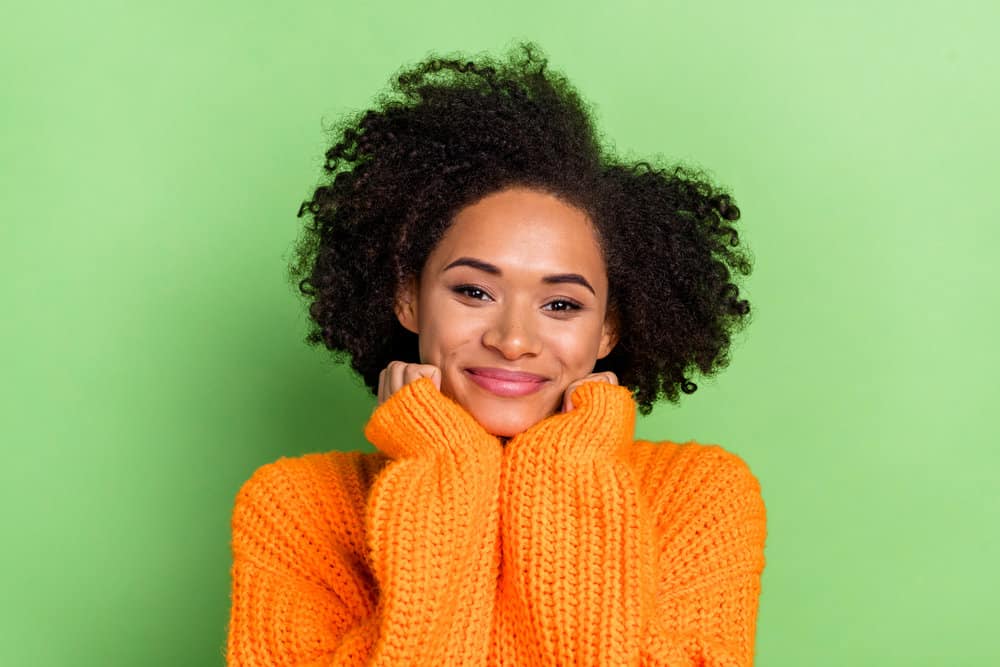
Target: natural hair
(451, 131)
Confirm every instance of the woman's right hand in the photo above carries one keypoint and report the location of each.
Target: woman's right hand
(422, 423)
(399, 373)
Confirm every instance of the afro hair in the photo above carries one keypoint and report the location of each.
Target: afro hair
(450, 131)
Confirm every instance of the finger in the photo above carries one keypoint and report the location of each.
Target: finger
(396, 371)
(568, 394)
(609, 377)
(606, 376)
(432, 372)
(398, 374)
(413, 372)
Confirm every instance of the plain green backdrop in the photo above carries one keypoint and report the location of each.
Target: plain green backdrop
(154, 156)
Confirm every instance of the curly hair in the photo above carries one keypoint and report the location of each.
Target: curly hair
(451, 131)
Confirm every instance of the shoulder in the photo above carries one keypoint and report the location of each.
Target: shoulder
(707, 511)
(325, 490)
(303, 518)
(291, 478)
(689, 457)
(672, 473)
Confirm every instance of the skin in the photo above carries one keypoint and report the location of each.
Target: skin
(513, 314)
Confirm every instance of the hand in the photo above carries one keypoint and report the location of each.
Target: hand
(606, 376)
(399, 373)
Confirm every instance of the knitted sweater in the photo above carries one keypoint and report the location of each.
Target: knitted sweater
(573, 544)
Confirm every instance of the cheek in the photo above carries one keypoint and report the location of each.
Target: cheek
(576, 347)
(444, 337)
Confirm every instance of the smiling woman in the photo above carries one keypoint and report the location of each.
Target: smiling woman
(512, 294)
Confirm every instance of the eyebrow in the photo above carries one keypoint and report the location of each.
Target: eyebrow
(492, 269)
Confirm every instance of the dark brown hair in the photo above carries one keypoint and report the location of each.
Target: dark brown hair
(452, 130)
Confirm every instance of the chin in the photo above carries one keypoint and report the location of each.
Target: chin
(506, 425)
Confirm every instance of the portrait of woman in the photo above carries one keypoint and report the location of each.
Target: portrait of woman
(512, 293)
(515, 335)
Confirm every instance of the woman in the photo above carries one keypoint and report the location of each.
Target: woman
(512, 293)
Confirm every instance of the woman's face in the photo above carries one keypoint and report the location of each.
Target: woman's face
(511, 306)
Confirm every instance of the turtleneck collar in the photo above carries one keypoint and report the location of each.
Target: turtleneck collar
(418, 418)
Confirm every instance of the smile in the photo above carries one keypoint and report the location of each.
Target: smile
(506, 383)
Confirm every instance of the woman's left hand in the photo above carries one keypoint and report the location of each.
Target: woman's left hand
(606, 376)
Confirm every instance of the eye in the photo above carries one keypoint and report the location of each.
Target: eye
(562, 305)
(472, 292)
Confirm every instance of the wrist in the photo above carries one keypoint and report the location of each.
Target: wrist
(418, 420)
(600, 425)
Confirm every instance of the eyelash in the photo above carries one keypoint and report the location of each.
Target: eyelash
(464, 290)
(571, 306)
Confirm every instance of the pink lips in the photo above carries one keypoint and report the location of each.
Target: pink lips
(506, 383)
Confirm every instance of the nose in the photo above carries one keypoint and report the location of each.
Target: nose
(512, 333)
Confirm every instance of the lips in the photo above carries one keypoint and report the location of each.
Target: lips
(506, 383)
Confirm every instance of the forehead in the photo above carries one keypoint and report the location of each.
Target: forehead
(523, 230)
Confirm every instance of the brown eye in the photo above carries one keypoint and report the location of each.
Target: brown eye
(472, 292)
(562, 305)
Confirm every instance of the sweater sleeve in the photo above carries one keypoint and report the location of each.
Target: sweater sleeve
(422, 593)
(614, 558)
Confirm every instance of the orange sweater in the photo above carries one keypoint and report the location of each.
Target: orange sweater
(571, 545)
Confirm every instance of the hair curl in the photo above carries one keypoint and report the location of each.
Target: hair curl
(449, 132)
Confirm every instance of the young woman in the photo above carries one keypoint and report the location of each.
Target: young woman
(512, 293)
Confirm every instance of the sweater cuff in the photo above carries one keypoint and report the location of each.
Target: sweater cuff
(419, 421)
(600, 425)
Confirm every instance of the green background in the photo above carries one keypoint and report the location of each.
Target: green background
(152, 357)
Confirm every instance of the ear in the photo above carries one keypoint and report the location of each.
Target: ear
(609, 336)
(406, 305)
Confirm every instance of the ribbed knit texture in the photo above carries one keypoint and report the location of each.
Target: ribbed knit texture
(572, 545)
